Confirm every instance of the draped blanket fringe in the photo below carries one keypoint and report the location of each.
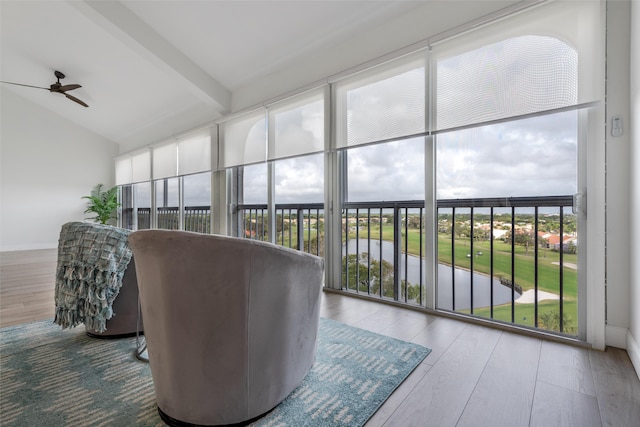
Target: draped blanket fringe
(92, 259)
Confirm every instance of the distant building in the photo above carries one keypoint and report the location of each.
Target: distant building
(553, 241)
(499, 234)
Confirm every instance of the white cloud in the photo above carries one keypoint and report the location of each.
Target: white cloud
(255, 184)
(531, 157)
(300, 180)
(197, 189)
(390, 171)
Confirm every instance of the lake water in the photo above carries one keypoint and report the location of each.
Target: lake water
(482, 284)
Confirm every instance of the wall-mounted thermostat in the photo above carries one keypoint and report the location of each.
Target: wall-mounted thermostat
(616, 125)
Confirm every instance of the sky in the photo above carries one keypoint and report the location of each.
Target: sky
(531, 157)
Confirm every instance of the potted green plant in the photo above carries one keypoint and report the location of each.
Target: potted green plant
(102, 202)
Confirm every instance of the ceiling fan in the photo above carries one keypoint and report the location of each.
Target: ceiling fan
(57, 87)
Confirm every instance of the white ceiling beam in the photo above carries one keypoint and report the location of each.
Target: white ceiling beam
(126, 26)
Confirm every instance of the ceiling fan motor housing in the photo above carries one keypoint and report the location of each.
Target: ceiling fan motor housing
(56, 86)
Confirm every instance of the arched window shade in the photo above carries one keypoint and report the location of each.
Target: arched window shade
(382, 103)
(297, 125)
(133, 168)
(194, 154)
(165, 161)
(517, 76)
(540, 60)
(243, 140)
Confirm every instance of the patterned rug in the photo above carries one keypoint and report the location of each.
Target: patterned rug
(54, 377)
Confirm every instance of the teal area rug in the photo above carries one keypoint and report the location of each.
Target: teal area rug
(54, 377)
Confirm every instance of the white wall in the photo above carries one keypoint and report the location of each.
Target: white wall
(633, 337)
(47, 165)
(618, 170)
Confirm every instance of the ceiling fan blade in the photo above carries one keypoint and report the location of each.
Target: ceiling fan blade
(56, 88)
(74, 99)
(19, 84)
(67, 87)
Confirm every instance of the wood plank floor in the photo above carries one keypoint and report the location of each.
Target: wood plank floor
(479, 376)
(27, 282)
(475, 376)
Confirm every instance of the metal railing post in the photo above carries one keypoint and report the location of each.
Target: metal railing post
(300, 221)
(397, 231)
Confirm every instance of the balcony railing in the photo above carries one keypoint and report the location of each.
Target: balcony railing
(520, 255)
(298, 226)
(376, 241)
(168, 218)
(196, 218)
(144, 218)
(508, 259)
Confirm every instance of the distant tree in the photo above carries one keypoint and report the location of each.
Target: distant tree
(413, 291)
(462, 230)
(355, 273)
(413, 221)
(281, 225)
(444, 225)
(524, 238)
(569, 224)
(480, 234)
(550, 320)
(570, 248)
(315, 245)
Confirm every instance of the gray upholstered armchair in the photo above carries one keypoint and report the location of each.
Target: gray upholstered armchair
(230, 323)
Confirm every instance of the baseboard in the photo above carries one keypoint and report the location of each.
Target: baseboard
(615, 336)
(30, 247)
(633, 350)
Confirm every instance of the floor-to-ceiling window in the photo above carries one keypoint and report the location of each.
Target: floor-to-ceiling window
(298, 194)
(167, 196)
(509, 142)
(252, 197)
(383, 220)
(141, 198)
(133, 174)
(378, 113)
(507, 233)
(196, 193)
(451, 177)
(299, 202)
(280, 197)
(168, 186)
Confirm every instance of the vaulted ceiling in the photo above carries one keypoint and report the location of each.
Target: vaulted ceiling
(150, 69)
